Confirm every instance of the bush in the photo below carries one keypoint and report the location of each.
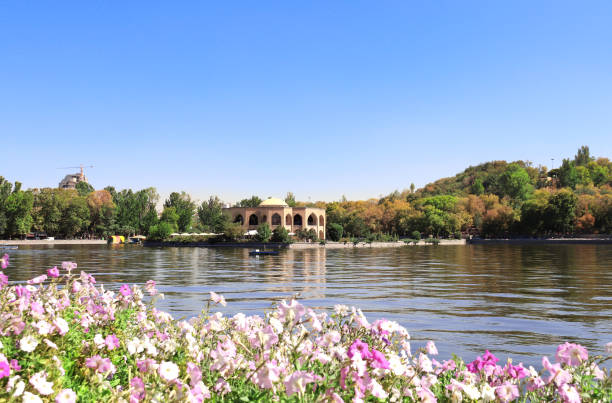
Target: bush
(334, 231)
(280, 234)
(416, 235)
(160, 231)
(233, 231)
(264, 233)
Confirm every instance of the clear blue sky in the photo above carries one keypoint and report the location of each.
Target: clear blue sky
(322, 98)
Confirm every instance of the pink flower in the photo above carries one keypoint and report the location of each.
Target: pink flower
(53, 272)
(267, 375)
(516, 371)
(569, 394)
(15, 365)
(137, 389)
(195, 374)
(111, 341)
(571, 354)
(430, 348)
(5, 369)
(69, 266)
(507, 392)
(558, 375)
(37, 280)
(150, 287)
(361, 348)
(66, 396)
(3, 280)
(379, 360)
(291, 312)
(217, 299)
(426, 395)
(102, 365)
(4, 261)
(125, 290)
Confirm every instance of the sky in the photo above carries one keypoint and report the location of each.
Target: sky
(320, 98)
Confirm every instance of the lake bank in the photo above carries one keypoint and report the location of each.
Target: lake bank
(528, 241)
(38, 242)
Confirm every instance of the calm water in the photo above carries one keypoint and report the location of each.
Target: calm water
(514, 300)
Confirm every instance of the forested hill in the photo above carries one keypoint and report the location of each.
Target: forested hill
(493, 199)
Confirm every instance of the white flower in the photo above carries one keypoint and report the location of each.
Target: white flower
(50, 344)
(488, 393)
(134, 346)
(43, 327)
(218, 299)
(66, 396)
(609, 348)
(62, 325)
(471, 391)
(31, 398)
(341, 310)
(39, 381)
(377, 390)
(19, 388)
(169, 371)
(99, 340)
(28, 343)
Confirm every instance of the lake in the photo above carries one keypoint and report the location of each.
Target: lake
(516, 300)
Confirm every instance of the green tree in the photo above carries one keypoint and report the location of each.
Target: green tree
(334, 231)
(280, 234)
(184, 207)
(290, 199)
(568, 177)
(477, 187)
(171, 217)
(75, 217)
(560, 213)
(516, 183)
(160, 231)
(254, 201)
(83, 188)
(18, 210)
(233, 231)
(583, 156)
(264, 233)
(210, 214)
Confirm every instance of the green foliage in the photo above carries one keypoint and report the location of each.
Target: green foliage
(210, 214)
(254, 201)
(515, 183)
(290, 199)
(160, 231)
(170, 217)
(184, 208)
(477, 187)
(560, 213)
(264, 233)
(583, 156)
(416, 235)
(567, 174)
(83, 188)
(334, 231)
(280, 234)
(233, 231)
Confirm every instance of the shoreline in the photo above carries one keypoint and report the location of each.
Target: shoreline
(38, 242)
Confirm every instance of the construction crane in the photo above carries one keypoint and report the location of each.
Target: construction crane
(82, 175)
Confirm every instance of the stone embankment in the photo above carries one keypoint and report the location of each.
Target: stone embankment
(342, 245)
(38, 242)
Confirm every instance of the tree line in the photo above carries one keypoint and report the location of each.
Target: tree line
(494, 199)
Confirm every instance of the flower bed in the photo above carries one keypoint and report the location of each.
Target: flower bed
(65, 339)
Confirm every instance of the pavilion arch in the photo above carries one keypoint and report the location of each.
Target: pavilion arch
(276, 219)
(264, 218)
(239, 219)
(321, 235)
(321, 221)
(253, 220)
(297, 219)
(312, 219)
(288, 219)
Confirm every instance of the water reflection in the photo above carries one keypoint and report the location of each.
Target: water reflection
(514, 299)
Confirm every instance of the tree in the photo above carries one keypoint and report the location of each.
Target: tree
(515, 183)
(334, 231)
(280, 234)
(171, 217)
(254, 201)
(233, 231)
(101, 211)
(160, 231)
(290, 199)
(184, 207)
(210, 214)
(568, 177)
(264, 233)
(477, 187)
(583, 156)
(18, 210)
(75, 217)
(561, 212)
(83, 188)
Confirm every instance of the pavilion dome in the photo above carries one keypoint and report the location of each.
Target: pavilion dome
(273, 202)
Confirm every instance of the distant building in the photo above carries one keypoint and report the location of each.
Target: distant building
(276, 212)
(70, 181)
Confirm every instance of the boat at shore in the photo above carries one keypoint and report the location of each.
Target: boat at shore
(258, 252)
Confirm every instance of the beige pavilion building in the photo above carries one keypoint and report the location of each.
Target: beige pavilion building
(276, 212)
